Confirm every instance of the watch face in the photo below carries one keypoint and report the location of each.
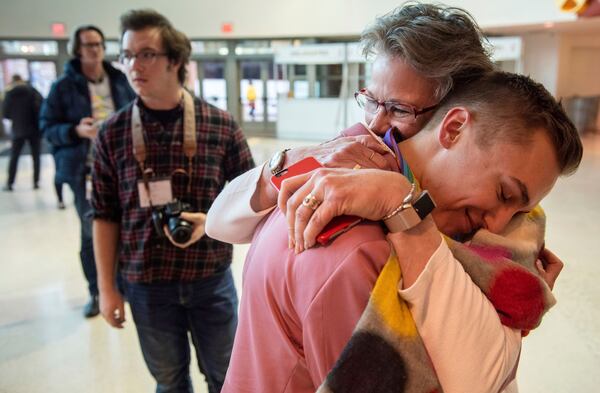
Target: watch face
(276, 162)
(424, 205)
(275, 159)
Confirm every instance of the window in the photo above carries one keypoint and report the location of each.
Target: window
(29, 48)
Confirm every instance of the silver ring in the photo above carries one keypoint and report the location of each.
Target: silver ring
(372, 154)
(311, 202)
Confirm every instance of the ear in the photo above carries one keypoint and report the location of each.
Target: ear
(452, 126)
(174, 65)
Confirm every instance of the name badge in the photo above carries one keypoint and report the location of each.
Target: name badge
(160, 192)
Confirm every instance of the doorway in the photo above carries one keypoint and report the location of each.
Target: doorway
(261, 83)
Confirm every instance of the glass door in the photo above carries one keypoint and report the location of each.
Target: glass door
(42, 75)
(253, 96)
(261, 84)
(211, 82)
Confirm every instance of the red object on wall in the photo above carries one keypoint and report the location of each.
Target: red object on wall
(58, 30)
(226, 27)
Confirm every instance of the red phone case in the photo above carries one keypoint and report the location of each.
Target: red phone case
(337, 225)
(303, 166)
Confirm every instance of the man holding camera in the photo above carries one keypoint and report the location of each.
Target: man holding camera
(160, 163)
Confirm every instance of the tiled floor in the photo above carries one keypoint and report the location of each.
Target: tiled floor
(46, 345)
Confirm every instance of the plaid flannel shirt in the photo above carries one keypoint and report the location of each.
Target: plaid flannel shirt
(222, 154)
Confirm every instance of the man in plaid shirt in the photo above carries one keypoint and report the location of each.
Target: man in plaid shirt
(173, 288)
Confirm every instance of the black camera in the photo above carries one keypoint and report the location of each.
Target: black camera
(169, 215)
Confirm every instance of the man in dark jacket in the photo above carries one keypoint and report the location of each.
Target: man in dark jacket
(22, 106)
(89, 91)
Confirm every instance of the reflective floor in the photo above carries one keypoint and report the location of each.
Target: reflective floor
(47, 346)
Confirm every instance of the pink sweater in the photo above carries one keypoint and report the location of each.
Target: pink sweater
(298, 312)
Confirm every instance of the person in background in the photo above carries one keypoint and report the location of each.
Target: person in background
(159, 165)
(22, 106)
(58, 188)
(89, 91)
(251, 97)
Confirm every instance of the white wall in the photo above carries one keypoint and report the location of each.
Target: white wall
(579, 71)
(259, 18)
(568, 64)
(540, 58)
(315, 119)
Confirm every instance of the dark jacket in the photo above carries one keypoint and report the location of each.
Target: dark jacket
(67, 103)
(22, 106)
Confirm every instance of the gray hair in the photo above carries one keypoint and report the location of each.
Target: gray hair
(440, 42)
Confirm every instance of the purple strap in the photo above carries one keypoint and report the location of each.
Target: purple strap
(391, 139)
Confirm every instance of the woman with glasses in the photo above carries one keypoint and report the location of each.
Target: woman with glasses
(411, 74)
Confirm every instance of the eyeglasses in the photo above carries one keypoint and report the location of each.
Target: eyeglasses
(92, 44)
(399, 111)
(145, 57)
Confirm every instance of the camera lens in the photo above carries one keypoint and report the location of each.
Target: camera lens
(181, 230)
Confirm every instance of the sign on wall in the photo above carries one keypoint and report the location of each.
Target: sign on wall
(506, 48)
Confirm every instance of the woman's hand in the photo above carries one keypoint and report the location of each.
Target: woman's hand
(366, 193)
(344, 152)
(362, 150)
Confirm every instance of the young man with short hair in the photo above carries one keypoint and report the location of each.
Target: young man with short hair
(160, 163)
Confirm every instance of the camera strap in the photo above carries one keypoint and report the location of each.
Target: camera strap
(189, 139)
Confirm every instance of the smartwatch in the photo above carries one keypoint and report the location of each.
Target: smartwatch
(410, 213)
(277, 162)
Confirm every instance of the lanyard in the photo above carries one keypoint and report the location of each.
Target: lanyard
(391, 139)
(189, 139)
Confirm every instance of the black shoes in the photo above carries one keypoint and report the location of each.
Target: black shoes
(8, 187)
(61, 205)
(92, 308)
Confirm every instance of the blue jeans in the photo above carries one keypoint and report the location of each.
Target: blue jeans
(86, 254)
(165, 313)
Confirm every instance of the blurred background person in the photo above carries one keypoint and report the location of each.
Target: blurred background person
(58, 187)
(22, 107)
(251, 97)
(88, 92)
